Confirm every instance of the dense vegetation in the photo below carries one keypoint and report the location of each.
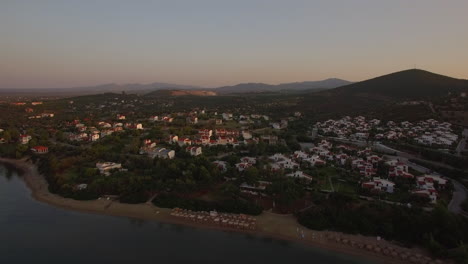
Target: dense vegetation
(230, 205)
(443, 233)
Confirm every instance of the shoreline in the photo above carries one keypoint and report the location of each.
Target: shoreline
(282, 227)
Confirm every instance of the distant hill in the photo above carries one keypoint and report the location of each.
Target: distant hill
(177, 92)
(408, 84)
(296, 86)
(157, 86)
(134, 87)
(99, 89)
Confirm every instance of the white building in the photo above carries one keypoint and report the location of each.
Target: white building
(194, 150)
(105, 167)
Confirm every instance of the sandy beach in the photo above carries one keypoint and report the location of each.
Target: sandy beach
(283, 227)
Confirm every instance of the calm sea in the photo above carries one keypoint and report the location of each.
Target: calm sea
(32, 232)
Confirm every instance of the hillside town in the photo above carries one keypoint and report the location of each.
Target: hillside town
(425, 132)
(223, 137)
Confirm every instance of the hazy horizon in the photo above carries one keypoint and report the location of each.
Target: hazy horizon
(64, 44)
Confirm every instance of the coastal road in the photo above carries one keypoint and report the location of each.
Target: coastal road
(462, 144)
(459, 195)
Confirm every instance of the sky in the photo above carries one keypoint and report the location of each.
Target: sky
(210, 43)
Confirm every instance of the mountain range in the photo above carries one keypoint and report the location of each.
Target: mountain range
(145, 88)
(407, 84)
(295, 86)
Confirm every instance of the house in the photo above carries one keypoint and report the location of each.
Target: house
(40, 149)
(105, 125)
(300, 174)
(78, 137)
(105, 167)
(270, 139)
(44, 115)
(276, 125)
(278, 157)
(192, 120)
(398, 169)
(224, 140)
(429, 192)
(221, 165)
(24, 139)
(287, 164)
(168, 119)
(378, 184)
(324, 144)
(82, 186)
(315, 160)
(95, 137)
(36, 103)
(147, 147)
(224, 132)
(246, 135)
(162, 153)
(29, 110)
(173, 139)
(429, 180)
(259, 188)
(203, 140)
(184, 142)
(243, 166)
(227, 116)
(365, 168)
(120, 117)
(194, 150)
(249, 160)
(153, 118)
(373, 159)
(218, 121)
(106, 132)
(205, 132)
(341, 158)
(300, 155)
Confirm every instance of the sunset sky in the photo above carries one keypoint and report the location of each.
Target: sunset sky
(48, 44)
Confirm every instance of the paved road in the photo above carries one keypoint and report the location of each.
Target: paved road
(462, 144)
(459, 196)
(431, 106)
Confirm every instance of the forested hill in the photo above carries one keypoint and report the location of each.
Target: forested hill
(408, 84)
